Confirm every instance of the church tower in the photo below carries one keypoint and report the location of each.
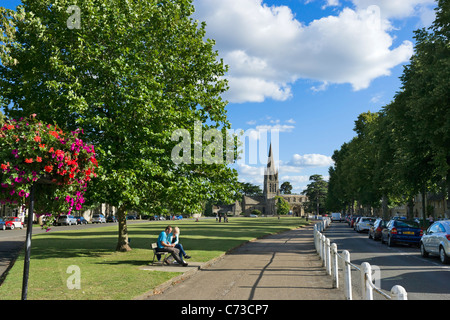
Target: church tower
(271, 184)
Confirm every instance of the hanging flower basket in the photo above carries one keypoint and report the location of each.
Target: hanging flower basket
(34, 153)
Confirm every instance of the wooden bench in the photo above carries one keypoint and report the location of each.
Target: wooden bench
(162, 254)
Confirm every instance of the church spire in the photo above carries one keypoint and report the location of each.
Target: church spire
(271, 177)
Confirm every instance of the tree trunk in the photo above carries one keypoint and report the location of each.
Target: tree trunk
(410, 208)
(424, 208)
(384, 204)
(447, 211)
(122, 244)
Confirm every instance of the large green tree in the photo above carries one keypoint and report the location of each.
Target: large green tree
(426, 90)
(316, 191)
(130, 73)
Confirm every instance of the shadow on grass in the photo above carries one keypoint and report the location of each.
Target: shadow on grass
(205, 236)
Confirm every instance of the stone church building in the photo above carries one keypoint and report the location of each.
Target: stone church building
(266, 203)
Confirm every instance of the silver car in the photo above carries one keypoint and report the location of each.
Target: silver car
(364, 224)
(98, 218)
(66, 220)
(436, 240)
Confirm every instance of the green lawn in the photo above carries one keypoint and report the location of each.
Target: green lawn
(106, 274)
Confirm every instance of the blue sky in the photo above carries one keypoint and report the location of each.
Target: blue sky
(308, 68)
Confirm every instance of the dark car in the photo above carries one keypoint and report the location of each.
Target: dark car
(111, 219)
(375, 230)
(2, 224)
(81, 220)
(353, 221)
(402, 231)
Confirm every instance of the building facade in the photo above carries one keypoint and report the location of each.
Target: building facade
(266, 204)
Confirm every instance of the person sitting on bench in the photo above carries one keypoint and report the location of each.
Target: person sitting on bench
(174, 238)
(164, 245)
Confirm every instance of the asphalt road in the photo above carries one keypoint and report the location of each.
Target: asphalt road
(423, 278)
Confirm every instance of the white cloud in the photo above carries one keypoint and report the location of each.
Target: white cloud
(396, 9)
(268, 49)
(279, 127)
(311, 160)
(294, 179)
(331, 3)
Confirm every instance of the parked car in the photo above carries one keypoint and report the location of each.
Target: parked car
(376, 228)
(13, 222)
(2, 224)
(111, 219)
(336, 216)
(364, 224)
(356, 222)
(436, 240)
(81, 220)
(131, 217)
(67, 220)
(401, 231)
(98, 218)
(352, 221)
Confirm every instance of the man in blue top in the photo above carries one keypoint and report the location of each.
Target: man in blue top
(164, 245)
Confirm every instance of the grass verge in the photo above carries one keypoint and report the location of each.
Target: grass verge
(106, 274)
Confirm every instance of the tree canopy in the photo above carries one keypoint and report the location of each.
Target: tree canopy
(130, 75)
(404, 149)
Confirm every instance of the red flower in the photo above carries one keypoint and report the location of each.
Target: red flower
(48, 168)
(38, 159)
(94, 161)
(37, 139)
(29, 160)
(5, 166)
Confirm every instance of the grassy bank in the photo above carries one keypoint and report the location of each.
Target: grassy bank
(106, 274)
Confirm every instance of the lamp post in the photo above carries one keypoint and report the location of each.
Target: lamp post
(26, 265)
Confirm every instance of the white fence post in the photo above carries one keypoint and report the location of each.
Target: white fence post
(322, 249)
(399, 293)
(335, 265)
(366, 277)
(334, 255)
(328, 258)
(347, 275)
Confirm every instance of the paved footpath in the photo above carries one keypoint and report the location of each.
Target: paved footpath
(284, 266)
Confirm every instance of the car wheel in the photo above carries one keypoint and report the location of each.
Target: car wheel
(423, 252)
(391, 243)
(443, 256)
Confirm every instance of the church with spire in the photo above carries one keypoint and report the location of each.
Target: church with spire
(266, 203)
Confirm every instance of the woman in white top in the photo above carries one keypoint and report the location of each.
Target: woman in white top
(175, 239)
